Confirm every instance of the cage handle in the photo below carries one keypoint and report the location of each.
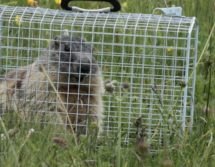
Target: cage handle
(115, 3)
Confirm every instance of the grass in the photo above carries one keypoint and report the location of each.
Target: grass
(182, 148)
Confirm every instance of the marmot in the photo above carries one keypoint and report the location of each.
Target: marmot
(75, 73)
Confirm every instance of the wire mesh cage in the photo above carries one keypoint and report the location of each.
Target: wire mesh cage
(146, 59)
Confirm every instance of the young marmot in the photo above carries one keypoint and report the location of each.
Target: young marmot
(69, 63)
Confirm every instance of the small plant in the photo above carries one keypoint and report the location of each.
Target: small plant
(63, 143)
(142, 144)
(114, 88)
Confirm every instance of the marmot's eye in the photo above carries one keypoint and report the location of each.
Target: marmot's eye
(67, 49)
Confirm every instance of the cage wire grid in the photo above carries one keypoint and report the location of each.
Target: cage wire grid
(146, 51)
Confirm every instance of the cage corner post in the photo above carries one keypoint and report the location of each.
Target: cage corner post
(1, 47)
(189, 37)
(194, 74)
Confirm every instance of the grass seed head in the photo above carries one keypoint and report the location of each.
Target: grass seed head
(208, 63)
(109, 87)
(167, 163)
(107, 81)
(142, 147)
(138, 123)
(144, 99)
(60, 141)
(34, 4)
(94, 125)
(211, 111)
(182, 84)
(125, 85)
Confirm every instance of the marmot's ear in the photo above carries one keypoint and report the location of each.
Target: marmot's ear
(56, 42)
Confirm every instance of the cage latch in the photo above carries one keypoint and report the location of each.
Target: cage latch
(175, 11)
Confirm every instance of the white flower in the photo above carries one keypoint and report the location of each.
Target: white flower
(31, 130)
(66, 32)
(135, 99)
(109, 85)
(11, 131)
(3, 137)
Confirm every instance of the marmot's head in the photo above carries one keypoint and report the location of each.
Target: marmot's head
(71, 58)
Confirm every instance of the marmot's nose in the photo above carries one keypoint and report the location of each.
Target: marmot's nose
(85, 65)
(85, 68)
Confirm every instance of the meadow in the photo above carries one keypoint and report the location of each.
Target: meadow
(20, 145)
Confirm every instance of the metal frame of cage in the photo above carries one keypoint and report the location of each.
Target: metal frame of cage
(153, 53)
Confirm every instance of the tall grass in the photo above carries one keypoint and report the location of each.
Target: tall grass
(183, 147)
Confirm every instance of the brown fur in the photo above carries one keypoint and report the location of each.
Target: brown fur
(28, 90)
